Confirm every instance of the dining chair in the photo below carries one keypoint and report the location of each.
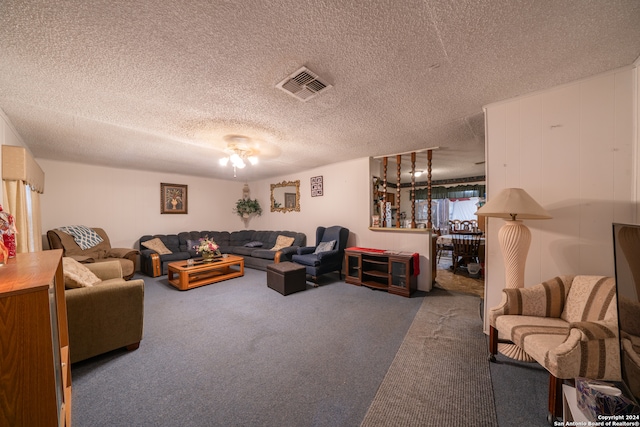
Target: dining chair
(465, 249)
(443, 245)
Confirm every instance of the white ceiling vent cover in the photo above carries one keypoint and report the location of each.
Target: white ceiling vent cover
(304, 84)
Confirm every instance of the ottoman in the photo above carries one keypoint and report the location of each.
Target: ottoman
(286, 277)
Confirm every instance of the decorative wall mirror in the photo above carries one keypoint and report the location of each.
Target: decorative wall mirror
(285, 197)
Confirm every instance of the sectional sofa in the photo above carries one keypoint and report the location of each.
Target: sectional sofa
(254, 246)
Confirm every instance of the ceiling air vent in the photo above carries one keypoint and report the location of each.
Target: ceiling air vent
(303, 85)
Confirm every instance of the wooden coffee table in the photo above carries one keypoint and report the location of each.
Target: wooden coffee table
(185, 277)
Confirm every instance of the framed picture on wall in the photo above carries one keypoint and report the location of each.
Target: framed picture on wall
(316, 186)
(173, 199)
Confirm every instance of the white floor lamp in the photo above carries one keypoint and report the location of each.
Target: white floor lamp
(514, 205)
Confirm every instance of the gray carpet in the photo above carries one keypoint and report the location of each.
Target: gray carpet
(440, 376)
(237, 353)
(520, 390)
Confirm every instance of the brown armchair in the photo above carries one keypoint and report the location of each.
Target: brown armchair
(99, 253)
(106, 316)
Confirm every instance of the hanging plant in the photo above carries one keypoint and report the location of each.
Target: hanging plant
(246, 207)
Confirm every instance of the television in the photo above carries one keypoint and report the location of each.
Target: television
(626, 251)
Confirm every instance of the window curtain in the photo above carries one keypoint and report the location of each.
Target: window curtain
(23, 181)
(440, 215)
(26, 213)
(464, 209)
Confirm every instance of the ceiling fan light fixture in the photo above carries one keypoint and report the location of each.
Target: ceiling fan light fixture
(240, 151)
(235, 159)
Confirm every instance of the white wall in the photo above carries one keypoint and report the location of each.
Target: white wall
(573, 149)
(126, 203)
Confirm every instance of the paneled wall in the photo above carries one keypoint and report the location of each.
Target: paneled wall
(573, 149)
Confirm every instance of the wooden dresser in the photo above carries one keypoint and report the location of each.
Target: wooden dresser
(35, 375)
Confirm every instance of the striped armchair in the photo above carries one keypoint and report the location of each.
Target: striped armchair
(569, 325)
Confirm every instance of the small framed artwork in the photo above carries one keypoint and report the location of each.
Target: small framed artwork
(173, 199)
(316, 186)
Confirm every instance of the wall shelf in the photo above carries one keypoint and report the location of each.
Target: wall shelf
(400, 230)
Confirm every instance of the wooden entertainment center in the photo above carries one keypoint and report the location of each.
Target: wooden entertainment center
(381, 269)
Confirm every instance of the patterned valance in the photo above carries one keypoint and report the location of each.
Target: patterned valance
(457, 192)
(19, 165)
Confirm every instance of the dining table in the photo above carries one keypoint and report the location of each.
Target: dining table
(447, 239)
(445, 243)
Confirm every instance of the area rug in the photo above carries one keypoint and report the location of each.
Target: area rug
(445, 279)
(440, 375)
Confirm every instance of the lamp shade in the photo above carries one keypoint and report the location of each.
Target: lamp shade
(513, 203)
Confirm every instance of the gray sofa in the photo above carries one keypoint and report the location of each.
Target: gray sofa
(235, 242)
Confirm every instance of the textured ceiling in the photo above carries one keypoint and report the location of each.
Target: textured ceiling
(157, 84)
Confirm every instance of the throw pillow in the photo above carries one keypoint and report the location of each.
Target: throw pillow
(84, 236)
(255, 244)
(282, 242)
(156, 245)
(192, 245)
(77, 275)
(325, 246)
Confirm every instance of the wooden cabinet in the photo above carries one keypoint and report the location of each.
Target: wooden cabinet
(391, 197)
(35, 376)
(378, 269)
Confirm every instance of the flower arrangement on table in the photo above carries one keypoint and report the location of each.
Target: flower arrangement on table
(7, 235)
(208, 248)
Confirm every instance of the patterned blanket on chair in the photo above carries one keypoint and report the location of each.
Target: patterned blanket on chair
(84, 236)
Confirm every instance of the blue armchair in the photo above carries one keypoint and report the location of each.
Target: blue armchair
(328, 255)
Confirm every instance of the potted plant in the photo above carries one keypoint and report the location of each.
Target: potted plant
(246, 207)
